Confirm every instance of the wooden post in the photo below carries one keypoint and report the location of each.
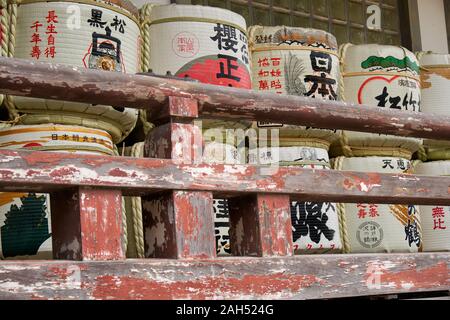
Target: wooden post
(87, 224)
(260, 225)
(178, 224)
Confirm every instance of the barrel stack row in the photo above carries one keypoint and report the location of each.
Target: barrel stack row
(212, 45)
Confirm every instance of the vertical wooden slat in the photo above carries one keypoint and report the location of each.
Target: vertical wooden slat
(260, 225)
(87, 224)
(178, 224)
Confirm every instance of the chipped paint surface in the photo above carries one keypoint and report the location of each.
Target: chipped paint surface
(299, 277)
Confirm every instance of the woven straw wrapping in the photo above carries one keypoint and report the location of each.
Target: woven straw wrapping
(73, 43)
(435, 220)
(379, 228)
(288, 60)
(35, 242)
(376, 75)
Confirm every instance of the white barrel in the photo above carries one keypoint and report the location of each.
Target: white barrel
(25, 221)
(435, 219)
(378, 228)
(87, 34)
(295, 61)
(435, 76)
(383, 76)
(203, 43)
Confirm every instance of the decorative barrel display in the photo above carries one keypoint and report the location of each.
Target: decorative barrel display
(25, 221)
(435, 220)
(87, 34)
(295, 61)
(385, 77)
(435, 76)
(379, 228)
(302, 62)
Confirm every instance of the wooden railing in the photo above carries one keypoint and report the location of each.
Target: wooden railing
(86, 193)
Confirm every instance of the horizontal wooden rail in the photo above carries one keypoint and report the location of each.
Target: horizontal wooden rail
(300, 277)
(53, 81)
(45, 171)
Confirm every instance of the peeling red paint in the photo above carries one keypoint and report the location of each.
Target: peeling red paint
(372, 181)
(53, 158)
(110, 287)
(117, 172)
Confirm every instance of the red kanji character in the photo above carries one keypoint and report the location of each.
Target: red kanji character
(50, 52)
(275, 73)
(36, 26)
(35, 52)
(309, 246)
(276, 84)
(373, 211)
(51, 40)
(35, 38)
(51, 17)
(361, 211)
(263, 73)
(263, 62)
(263, 85)
(438, 214)
(275, 61)
(51, 29)
(333, 246)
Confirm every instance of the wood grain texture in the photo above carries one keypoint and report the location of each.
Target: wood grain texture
(53, 81)
(47, 171)
(299, 277)
(87, 224)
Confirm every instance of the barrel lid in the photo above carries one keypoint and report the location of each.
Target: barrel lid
(123, 4)
(196, 13)
(292, 36)
(434, 59)
(379, 58)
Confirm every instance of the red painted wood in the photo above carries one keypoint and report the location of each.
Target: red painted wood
(54, 81)
(260, 225)
(179, 225)
(87, 224)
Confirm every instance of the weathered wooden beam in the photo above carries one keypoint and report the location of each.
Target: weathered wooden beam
(52, 81)
(260, 225)
(47, 171)
(87, 224)
(299, 277)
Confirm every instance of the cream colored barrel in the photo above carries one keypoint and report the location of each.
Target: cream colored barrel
(203, 43)
(378, 228)
(295, 61)
(435, 76)
(25, 221)
(380, 76)
(87, 34)
(435, 220)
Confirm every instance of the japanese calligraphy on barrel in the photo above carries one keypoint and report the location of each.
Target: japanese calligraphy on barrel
(380, 76)
(87, 34)
(435, 76)
(435, 220)
(378, 228)
(25, 221)
(295, 61)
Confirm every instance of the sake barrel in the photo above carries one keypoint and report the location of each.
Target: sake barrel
(315, 225)
(435, 76)
(295, 61)
(25, 221)
(87, 34)
(386, 77)
(378, 228)
(203, 43)
(435, 219)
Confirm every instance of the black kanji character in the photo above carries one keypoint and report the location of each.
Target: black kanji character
(388, 163)
(412, 233)
(96, 19)
(225, 37)
(226, 71)
(309, 218)
(118, 23)
(382, 98)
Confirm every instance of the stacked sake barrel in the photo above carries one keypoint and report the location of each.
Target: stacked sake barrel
(302, 62)
(208, 45)
(385, 77)
(435, 75)
(89, 34)
(25, 221)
